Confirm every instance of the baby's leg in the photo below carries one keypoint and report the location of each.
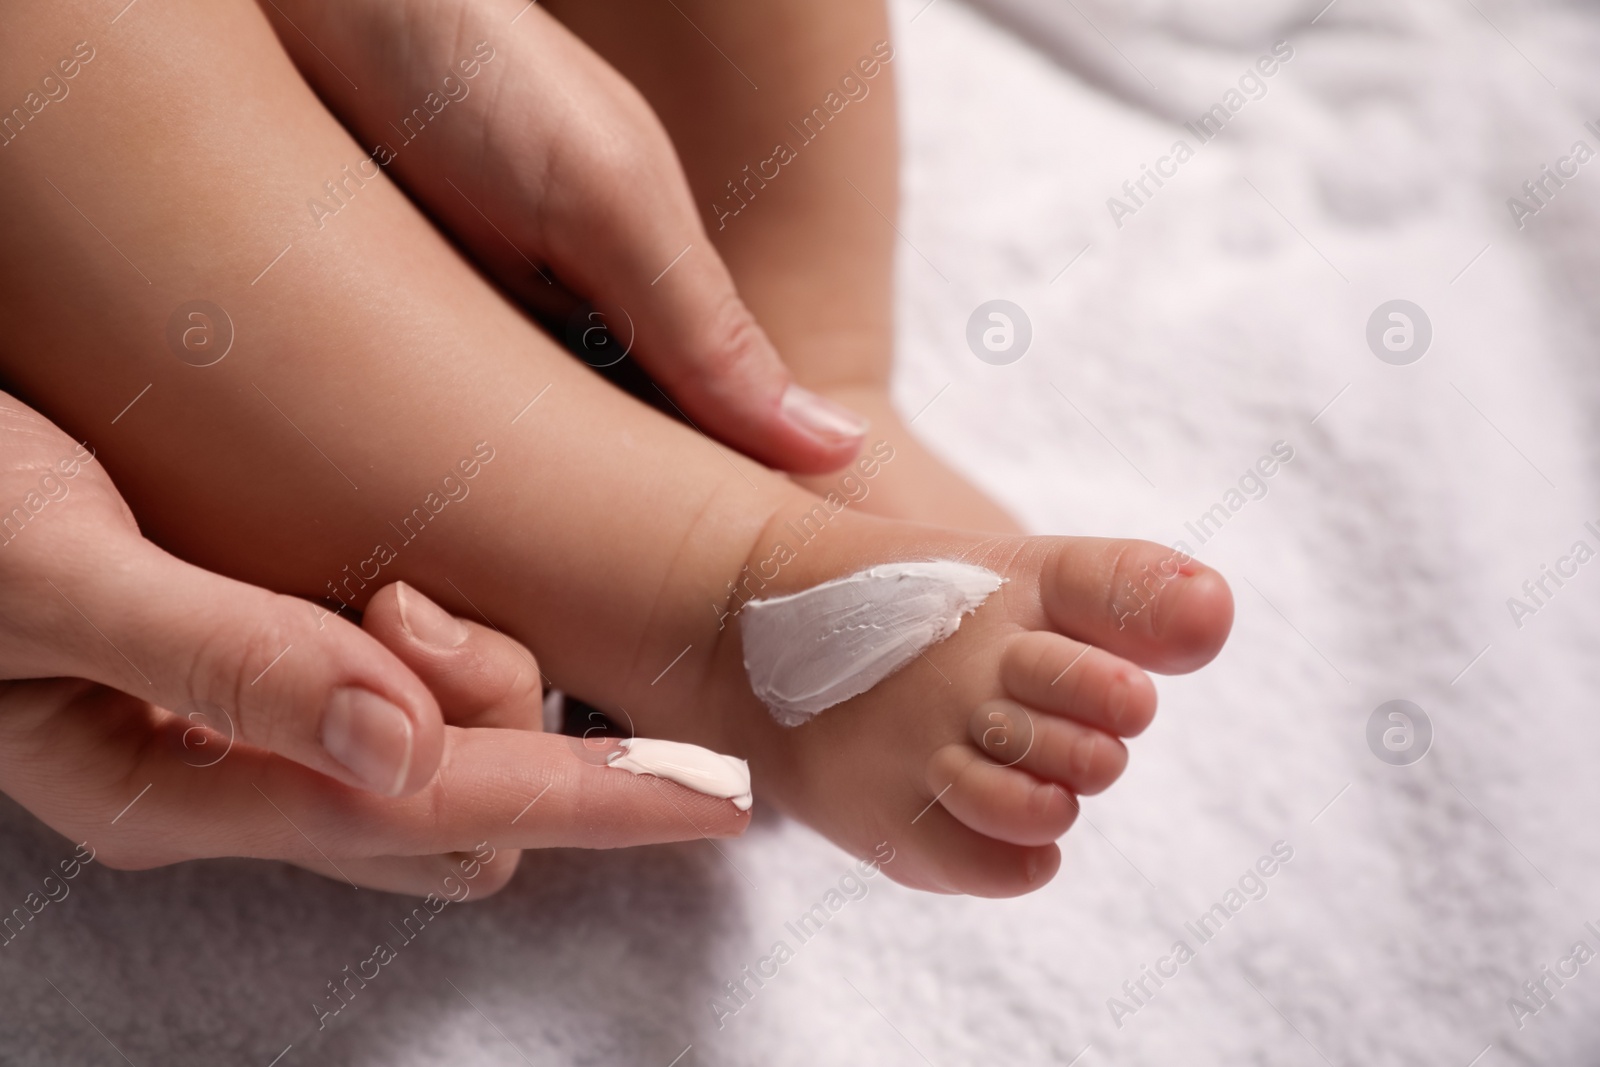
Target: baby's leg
(798, 197)
(382, 413)
(376, 408)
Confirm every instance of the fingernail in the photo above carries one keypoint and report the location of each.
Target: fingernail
(820, 417)
(426, 621)
(370, 736)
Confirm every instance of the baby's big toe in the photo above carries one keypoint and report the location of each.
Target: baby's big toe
(1153, 605)
(1195, 620)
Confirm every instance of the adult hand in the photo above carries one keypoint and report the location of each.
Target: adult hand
(532, 150)
(175, 714)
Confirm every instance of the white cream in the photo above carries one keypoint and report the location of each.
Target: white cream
(698, 768)
(813, 649)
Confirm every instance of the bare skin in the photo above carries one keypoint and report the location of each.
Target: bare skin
(809, 252)
(101, 633)
(372, 369)
(812, 251)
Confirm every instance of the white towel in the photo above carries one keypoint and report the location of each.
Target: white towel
(1167, 356)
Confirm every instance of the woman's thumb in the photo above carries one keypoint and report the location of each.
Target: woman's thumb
(272, 671)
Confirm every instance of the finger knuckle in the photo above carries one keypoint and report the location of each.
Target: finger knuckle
(1001, 729)
(516, 683)
(732, 337)
(234, 668)
(632, 152)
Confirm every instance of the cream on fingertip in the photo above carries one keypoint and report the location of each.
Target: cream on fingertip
(690, 766)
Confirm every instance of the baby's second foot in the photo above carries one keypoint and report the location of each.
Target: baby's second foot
(915, 485)
(969, 760)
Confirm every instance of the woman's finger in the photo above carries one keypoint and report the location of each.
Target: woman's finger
(454, 876)
(574, 170)
(143, 789)
(620, 226)
(479, 676)
(510, 788)
(288, 676)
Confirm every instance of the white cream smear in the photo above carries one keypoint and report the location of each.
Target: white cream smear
(698, 768)
(816, 648)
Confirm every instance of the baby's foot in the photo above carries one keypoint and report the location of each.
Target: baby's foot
(914, 486)
(969, 760)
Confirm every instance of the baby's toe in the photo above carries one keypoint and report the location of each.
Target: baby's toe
(1163, 610)
(1060, 676)
(950, 857)
(1004, 803)
(1078, 758)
